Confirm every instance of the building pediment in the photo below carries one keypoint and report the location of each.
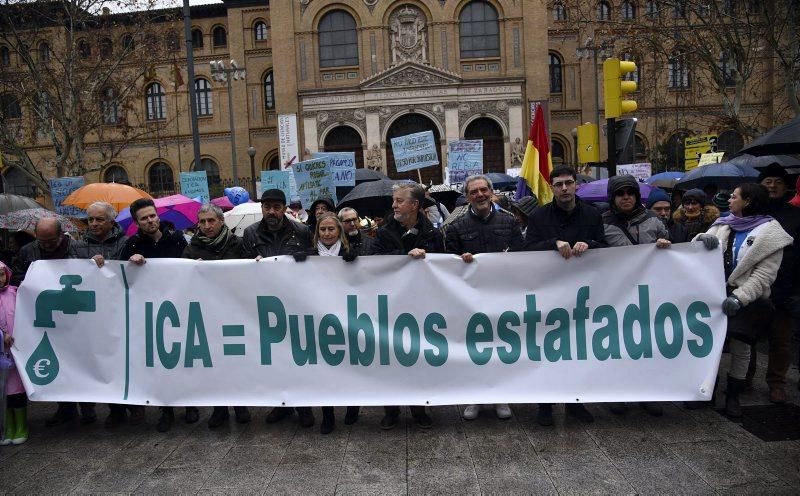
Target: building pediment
(410, 74)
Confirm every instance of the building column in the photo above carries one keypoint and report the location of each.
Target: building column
(311, 138)
(451, 128)
(516, 116)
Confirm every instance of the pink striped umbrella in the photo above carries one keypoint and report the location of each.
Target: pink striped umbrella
(178, 209)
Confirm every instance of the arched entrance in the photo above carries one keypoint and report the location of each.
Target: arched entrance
(345, 139)
(491, 133)
(410, 124)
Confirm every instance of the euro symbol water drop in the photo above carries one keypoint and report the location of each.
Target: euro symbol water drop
(42, 366)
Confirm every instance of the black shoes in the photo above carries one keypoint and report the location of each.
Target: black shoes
(242, 414)
(389, 421)
(328, 421)
(165, 421)
(579, 412)
(306, 416)
(423, 420)
(351, 417)
(63, 415)
(88, 414)
(544, 416)
(277, 414)
(218, 417)
(192, 414)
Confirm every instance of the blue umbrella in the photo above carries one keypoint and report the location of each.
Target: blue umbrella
(501, 181)
(665, 176)
(724, 175)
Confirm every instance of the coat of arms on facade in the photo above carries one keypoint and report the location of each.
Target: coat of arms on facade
(408, 28)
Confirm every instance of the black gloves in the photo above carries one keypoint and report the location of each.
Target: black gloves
(300, 256)
(349, 256)
(731, 305)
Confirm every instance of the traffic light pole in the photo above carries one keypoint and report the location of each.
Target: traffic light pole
(611, 143)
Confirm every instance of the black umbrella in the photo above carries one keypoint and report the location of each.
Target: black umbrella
(366, 175)
(444, 193)
(584, 179)
(12, 203)
(724, 175)
(785, 161)
(371, 198)
(780, 140)
(502, 181)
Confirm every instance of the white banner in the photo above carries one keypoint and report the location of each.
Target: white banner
(617, 324)
(287, 140)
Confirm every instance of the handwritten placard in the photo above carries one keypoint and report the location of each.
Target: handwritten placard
(281, 180)
(313, 179)
(464, 159)
(414, 151)
(640, 171)
(60, 189)
(342, 166)
(195, 185)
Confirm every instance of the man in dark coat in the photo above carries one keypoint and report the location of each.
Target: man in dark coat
(154, 240)
(570, 227)
(785, 291)
(277, 235)
(659, 203)
(320, 206)
(359, 242)
(485, 228)
(407, 232)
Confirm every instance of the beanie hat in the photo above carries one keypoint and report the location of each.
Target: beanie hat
(697, 195)
(773, 170)
(526, 205)
(617, 183)
(720, 200)
(274, 195)
(657, 195)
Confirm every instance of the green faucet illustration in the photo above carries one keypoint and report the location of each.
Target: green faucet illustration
(68, 301)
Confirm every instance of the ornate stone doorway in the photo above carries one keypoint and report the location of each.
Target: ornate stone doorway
(409, 124)
(492, 135)
(345, 139)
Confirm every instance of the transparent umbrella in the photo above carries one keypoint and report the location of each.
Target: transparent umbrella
(6, 365)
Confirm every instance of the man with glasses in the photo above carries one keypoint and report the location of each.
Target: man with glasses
(360, 243)
(570, 227)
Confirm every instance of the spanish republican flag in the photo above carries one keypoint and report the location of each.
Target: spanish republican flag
(538, 163)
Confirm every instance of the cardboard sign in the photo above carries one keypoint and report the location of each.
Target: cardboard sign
(342, 165)
(640, 171)
(281, 180)
(313, 179)
(464, 159)
(194, 185)
(414, 151)
(60, 189)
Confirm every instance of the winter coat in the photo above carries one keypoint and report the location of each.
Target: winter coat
(394, 239)
(786, 285)
(472, 234)
(361, 243)
(110, 248)
(311, 221)
(709, 214)
(231, 250)
(32, 252)
(677, 232)
(643, 227)
(291, 238)
(758, 259)
(550, 223)
(170, 245)
(8, 303)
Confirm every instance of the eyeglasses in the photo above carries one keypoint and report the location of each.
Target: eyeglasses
(350, 221)
(564, 184)
(625, 191)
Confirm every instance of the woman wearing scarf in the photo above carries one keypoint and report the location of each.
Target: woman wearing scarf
(16, 428)
(330, 240)
(214, 241)
(752, 245)
(695, 213)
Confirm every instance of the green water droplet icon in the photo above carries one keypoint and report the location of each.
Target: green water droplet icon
(42, 366)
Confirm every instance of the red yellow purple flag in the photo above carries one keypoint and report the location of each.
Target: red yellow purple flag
(534, 176)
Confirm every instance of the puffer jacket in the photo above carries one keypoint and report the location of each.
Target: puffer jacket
(758, 259)
(643, 228)
(8, 305)
(110, 248)
(361, 243)
(472, 234)
(231, 250)
(291, 238)
(697, 226)
(394, 239)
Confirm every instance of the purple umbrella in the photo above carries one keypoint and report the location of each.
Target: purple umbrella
(223, 202)
(177, 209)
(597, 191)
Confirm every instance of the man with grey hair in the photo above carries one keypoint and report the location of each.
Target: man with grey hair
(484, 228)
(360, 243)
(104, 239)
(408, 232)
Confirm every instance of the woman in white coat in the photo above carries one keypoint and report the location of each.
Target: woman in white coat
(752, 244)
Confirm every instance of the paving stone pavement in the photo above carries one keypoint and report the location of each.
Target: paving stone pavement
(683, 452)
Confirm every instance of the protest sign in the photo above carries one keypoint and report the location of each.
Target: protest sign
(414, 151)
(281, 180)
(313, 180)
(640, 171)
(287, 139)
(342, 165)
(464, 159)
(618, 324)
(60, 189)
(194, 185)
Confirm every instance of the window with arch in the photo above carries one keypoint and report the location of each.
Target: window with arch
(628, 11)
(559, 12)
(44, 52)
(205, 98)
(634, 76)
(212, 171)
(197, 38)
(10, 107)
(220, 37)
(556, 73)
(273, 163)
(651, 8)
(479, 30)
(84, 49)
(156, 101)
(640, 151)
(727, 67)
(5, 56)
(269, 92)
(558, 152)
(128, 43)
(338, 40)
(678, 70)
(730, 142)
(109, 106)
(115, 174)
(106, 48)
(603, 11)
(260, 31)
(160, 178)
(16, 182)
(676, 150)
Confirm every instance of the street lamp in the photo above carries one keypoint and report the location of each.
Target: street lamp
(592, 50)
(224, 74)
(251, 150)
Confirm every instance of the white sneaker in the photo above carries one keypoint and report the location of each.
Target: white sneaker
(503, 411)
(471, 412)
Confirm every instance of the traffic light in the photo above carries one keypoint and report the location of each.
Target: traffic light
(616, 89)
(624, 138)
(588, 144)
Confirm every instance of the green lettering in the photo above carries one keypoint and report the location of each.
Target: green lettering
(406, 321)
(148, 334)
(479, 357)
(169, 359)
(510, 353)
(436, 339)
(359, 324)
(640, 314)
(607, 334)
(532, 317)
(327, 339)
(558, 335)
(300, 355)
(383, 329)
(270, 334)
(581, 313)
(196, 331)
(700, 329)
(671, 312)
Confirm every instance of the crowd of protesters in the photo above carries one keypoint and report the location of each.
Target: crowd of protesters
(758, 237)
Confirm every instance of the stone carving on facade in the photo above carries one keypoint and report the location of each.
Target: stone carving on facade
(410, 76)
(359, 114)
(464, 108)
(322, 116)
(408, 31)
(438, 109)
(304, 5)
(370, 4)
(374, 158)
(517, 153)
(502, 106)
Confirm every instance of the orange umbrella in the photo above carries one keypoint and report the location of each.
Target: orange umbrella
(118, 195)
